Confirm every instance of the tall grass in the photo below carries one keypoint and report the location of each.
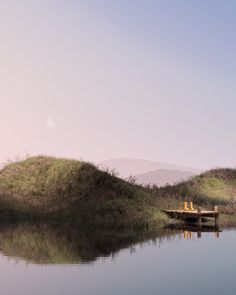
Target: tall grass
(52, 187)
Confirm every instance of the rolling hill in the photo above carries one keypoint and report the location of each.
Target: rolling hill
(214, 186)
(48, 187)
(53, 188)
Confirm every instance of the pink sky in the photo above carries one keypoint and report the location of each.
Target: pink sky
(93, 81)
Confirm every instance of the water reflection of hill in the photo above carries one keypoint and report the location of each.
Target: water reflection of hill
(53, 244)
(66, 244)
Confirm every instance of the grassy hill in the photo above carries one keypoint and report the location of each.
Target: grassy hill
(47, 187)
(61, 188)
(217, 186)
(214, 187)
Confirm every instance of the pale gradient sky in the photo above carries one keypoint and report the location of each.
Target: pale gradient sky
(127, 78)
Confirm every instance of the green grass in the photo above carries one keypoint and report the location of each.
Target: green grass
(48, 187)
(214, 187)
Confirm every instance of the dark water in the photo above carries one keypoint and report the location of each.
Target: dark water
(58, 260)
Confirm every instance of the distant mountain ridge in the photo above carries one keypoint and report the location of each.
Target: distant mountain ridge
(162, 177)
(127, 166)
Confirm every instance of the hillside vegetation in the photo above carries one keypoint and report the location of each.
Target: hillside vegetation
(214, 187)
(61, 188)
(217, 186)
(48, 187)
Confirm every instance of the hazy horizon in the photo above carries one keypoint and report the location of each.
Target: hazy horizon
(98, 80)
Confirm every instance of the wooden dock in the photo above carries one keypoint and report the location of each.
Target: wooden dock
(195, 214)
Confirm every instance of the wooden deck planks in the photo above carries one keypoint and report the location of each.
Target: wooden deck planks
(196, 214)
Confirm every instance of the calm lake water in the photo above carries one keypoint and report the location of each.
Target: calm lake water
(42, 259)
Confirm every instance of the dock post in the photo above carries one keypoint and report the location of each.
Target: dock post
(216, 217)
(199, 218)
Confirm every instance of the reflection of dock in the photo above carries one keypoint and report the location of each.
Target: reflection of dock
(188, 235)
(188, 231)
(195, 215)
(203, 229)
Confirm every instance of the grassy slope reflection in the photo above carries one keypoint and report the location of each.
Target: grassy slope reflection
(49, 244)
